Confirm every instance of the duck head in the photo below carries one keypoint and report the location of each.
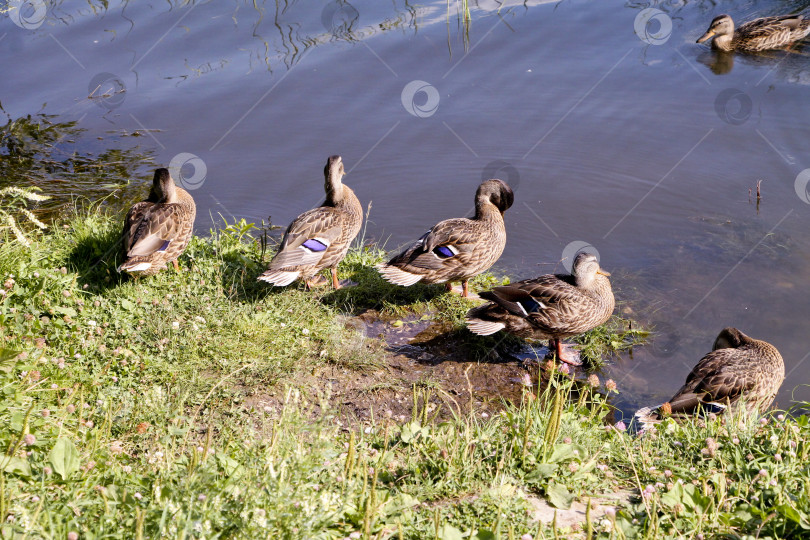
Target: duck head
(495, 192)
(163, 188)
(333, 174)
(721, 27)
(730, 338)
(585, 268)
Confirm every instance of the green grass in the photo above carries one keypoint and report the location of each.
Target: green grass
(172, 407)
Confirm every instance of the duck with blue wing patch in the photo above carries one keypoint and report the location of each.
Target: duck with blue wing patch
(739, 370)
(157, 230)
(456, 249)
(319, 238)
(552, 307)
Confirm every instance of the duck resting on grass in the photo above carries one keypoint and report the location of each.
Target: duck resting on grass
(551, 307)
(157, 230)
(740, 371)
(757, 35)
(456, 249)
(318, 238)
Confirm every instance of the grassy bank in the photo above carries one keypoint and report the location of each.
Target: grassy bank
(171, 407)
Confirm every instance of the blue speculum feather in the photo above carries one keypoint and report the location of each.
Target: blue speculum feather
(165, 245)
(530, 305)
(443, 251)
(314, 245)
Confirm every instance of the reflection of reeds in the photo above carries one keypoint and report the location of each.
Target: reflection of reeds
(463, 14)
(42, 152)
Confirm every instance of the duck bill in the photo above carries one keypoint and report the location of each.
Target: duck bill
(603, 272)
(705, 36)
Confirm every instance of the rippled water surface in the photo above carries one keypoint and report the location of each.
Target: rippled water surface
(647, 149)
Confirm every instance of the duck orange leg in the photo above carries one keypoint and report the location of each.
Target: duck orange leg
(570, 357)
(335, 282)
(176, 266)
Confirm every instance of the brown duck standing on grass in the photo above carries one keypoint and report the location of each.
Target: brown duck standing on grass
(757, 35)
(157, 230)
(456, 249)
(739, 370)
(551, 307)
(318, 238)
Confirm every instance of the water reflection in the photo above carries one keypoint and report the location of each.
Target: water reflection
(43, 151)
(790, 65)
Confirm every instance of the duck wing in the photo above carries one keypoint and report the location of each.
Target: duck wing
(719, 378)
(152, 228)
(308, 238)
(549, 302)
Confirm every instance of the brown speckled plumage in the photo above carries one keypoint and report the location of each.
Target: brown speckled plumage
(739, 369)
(456, 249)
(333, 224)
(157, 230)
(757, 35)
(550, 307)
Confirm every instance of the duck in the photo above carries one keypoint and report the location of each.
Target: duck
(458, 249)
(552, 306)
(157, 230)
(739, 371)
(757, 35)
(319, 238)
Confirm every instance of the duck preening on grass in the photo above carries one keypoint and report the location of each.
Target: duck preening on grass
(456, 249)
(551, 307)
(739, 371)
(157, 230)
(318, 238)
(757, 35)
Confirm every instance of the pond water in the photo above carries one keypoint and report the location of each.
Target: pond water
(615, 133)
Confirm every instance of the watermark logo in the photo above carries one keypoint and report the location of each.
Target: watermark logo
(338, 17)
(573, 249)
(27, 14)
(733, 106)
(801, 186)
(189, 170)
(503, 170)
(107, 90)
(425, 108)
(653, 26)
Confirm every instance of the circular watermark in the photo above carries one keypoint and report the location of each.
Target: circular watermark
(28, 14)
(801, 186)
(733, 106)
(106, 90)
(573, 249)
(664, 339)
(179, 169)
(338, 17)
(430, 104)
(503, 170)
(653, 26)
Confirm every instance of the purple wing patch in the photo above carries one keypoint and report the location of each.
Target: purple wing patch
(165, 245)
(444, 252)
(314, 245)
